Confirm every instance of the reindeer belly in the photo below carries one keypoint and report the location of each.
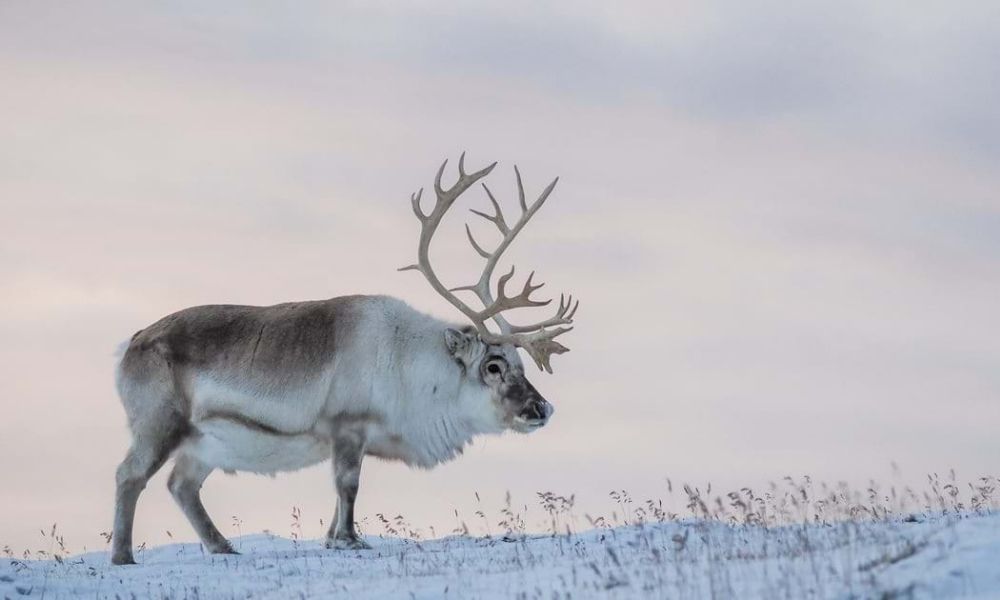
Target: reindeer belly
(288, 410)
(232, 445)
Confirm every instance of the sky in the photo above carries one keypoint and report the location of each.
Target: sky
(782, 220)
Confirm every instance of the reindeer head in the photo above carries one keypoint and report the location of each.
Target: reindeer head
(493, 356)
(499, 370)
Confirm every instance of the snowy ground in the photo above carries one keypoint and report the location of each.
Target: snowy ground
(932, 557)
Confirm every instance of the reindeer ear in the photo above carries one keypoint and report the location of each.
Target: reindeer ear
(458, 343)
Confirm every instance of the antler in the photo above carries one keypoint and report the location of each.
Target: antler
(535, 338)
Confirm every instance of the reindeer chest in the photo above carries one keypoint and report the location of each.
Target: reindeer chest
(424, 443)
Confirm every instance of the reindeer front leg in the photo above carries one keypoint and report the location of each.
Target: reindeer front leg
(348, 450)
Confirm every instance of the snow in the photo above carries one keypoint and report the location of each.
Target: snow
(929, 557)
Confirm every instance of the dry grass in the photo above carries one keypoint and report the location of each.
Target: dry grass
(794, 538)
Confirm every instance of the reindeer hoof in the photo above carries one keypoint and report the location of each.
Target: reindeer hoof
(226, 548)
(347, 544)
(124, 559)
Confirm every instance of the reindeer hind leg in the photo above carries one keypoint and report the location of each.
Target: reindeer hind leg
(149, 450)
(157, 420)
(185, 486)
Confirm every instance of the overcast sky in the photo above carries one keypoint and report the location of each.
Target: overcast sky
(783, 221)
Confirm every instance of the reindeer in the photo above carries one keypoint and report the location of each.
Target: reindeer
(283, 387)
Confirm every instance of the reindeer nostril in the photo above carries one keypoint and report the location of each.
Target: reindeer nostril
(538, 410)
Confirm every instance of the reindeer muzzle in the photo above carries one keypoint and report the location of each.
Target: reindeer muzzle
(536, 413)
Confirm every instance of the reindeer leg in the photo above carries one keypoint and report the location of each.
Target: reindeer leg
(185, 486)
(348, 450)
(149, 450)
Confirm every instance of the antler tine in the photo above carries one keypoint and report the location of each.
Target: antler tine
(545, 194)
(505, 302)
(463, 288)
(541, 345)
(415, 200)
(520, 190)
(532, 288)
(475, 245)
(447, 197)
(564, 316)
(497, 218)
(437, 179)
(572, 313)
(502, 282)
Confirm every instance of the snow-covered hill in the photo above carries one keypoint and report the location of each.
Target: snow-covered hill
(927, 557)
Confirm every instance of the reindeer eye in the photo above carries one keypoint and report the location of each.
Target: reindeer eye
(493, 369)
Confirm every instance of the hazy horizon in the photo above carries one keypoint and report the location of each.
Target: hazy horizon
(782, 222)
